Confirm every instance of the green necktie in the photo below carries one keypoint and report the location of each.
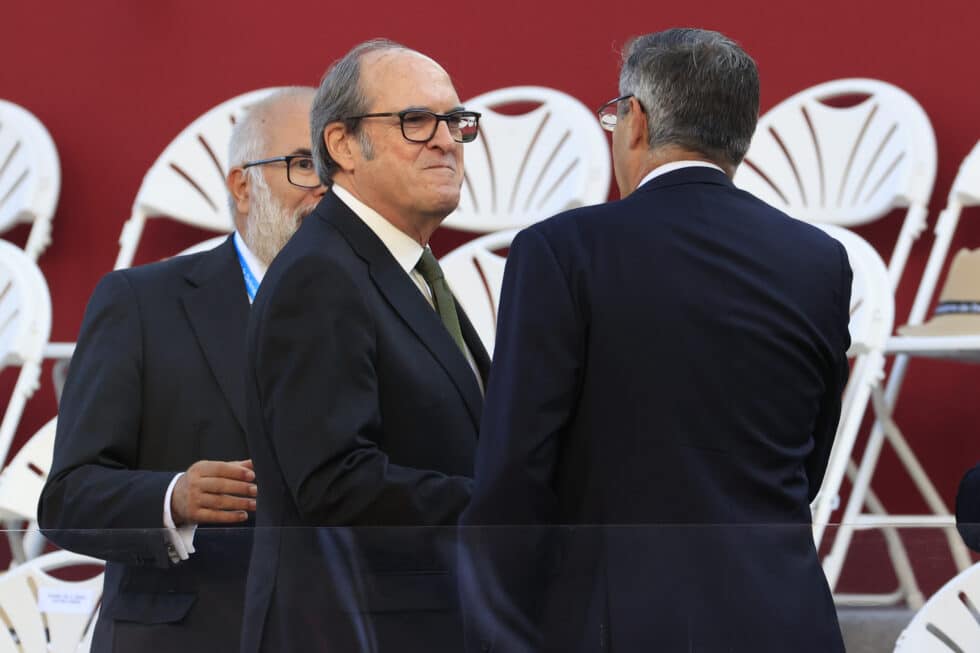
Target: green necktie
(429, 268)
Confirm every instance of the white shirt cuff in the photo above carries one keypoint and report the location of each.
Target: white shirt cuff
(180, 539)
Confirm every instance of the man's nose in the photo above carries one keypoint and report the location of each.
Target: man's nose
(442, 138)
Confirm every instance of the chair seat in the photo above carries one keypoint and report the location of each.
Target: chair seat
(962, 348)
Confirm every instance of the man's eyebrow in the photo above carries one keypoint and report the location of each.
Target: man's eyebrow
(458, 107)
(301, 151)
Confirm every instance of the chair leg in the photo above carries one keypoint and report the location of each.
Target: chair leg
(33, 541)
(928, 491)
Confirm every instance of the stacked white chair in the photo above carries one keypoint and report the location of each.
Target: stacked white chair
(25, 326)
(949, 622)
(30, 176)
(522, 169)
(872, 312)
(848, 152)
(964, 192)
(475, 272)
(525, 168)
(846, 165)
(187, 184)
(21, 482)
(187, 181)
(44, 614)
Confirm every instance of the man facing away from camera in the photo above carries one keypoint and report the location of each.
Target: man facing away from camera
(669, 368)
(150, 454)
(364, 383)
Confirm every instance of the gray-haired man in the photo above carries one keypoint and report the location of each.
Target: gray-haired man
(151, 437)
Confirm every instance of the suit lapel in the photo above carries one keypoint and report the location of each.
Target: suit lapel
(217, 309)
(401, 293)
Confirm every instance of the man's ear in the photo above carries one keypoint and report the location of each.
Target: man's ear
(339, 145)
(638, 133)
(239, 187)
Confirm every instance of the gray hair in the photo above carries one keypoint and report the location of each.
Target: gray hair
(699, 89)
(249, 136)
(340, 96)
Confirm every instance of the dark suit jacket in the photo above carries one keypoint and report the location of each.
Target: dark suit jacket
(362, 412)
(156, 384)
(671, 363)
(968, 508)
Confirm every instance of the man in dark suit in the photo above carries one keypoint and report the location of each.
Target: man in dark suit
(968, 508)
(364, 386)
(156, 387)
(668, 368)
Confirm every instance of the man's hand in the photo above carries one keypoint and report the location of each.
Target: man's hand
(214, 492)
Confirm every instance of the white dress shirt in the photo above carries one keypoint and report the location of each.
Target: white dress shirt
(676, 165)
(181, 538)
(405, 249)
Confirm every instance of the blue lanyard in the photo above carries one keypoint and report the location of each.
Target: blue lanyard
(251, 284)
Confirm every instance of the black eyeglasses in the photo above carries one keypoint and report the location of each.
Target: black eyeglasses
(419, 126)
(609, 112)
(300, 170)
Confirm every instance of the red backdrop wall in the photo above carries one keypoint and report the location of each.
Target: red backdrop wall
(115, 82)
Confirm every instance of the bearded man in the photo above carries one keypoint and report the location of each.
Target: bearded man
(151, 441)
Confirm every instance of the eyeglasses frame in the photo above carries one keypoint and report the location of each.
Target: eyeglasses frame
(288, 160)
(615, 101)
(440, 117)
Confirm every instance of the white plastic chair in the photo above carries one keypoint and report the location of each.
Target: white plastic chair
(949, 622)
(528, 167)
(475, 273)
(44, 614)
(21, 483)
(25, 325)
(964, 192)
(872, 312)
(846, 165)
(872, 315)
(30, 176)
(187, 181)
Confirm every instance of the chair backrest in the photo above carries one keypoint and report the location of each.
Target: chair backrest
(25, 326)
(949, 621)
(187, 181)
(23, 478)
(475, 272)
(846, 165)
(524, 168)
(44, 614)
(30, 176)
(872, 314)
(965, 192)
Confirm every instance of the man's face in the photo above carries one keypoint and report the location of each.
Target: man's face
(405, 181)
(276, 206)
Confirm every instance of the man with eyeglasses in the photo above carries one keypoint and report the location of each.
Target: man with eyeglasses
(364, 387)
(151, 453)
(668, 374)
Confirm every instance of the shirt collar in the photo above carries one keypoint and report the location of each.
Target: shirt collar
(403, 247)
(676, 165)
(257, 267)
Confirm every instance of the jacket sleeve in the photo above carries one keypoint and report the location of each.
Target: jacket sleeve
(825, 428)
(968, 508)
(95, 500)
(507, 542)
